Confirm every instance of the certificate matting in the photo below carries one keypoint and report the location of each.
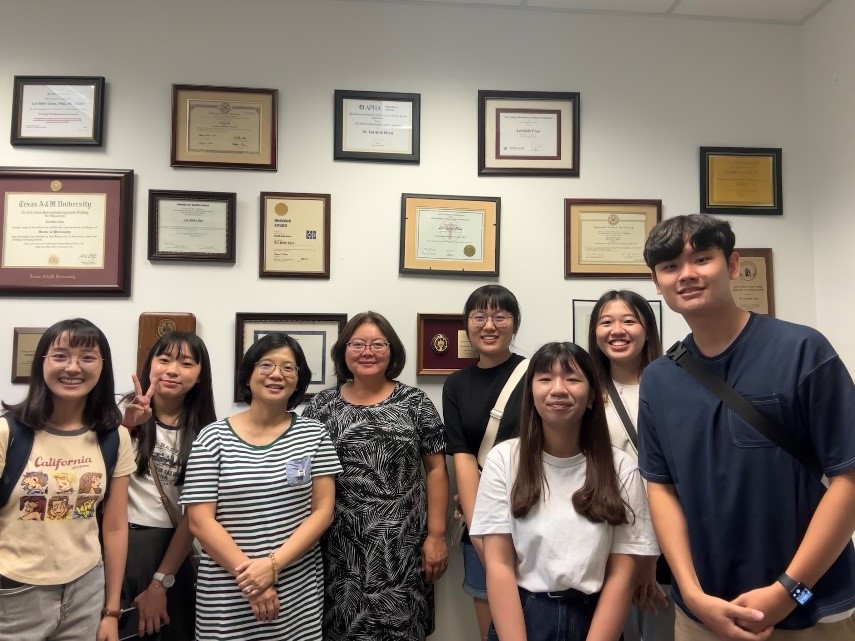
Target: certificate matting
(377, 126)
(191, 226)
(65, 231)
(582, 310)
(605, 238)
(753, 289)
(741, 180)
(455, 235)
(224, 127)
(316, 334)
(58, 110)
(295, 235)
(443, 347)
(524, 133)
(24, 342)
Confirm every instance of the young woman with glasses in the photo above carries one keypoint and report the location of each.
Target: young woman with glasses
(54, 582)
(492, 318)
(259, 491)
(386, 546)
(172, 401)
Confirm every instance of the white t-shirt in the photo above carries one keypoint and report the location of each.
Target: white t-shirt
(144, 504)
(617, 432)
(556, 548)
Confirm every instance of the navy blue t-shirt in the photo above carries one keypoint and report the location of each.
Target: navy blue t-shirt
(747, 502)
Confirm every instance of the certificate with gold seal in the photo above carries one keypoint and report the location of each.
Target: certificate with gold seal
(605, 238)
(741, 180)
(295, 235)
(753, 288)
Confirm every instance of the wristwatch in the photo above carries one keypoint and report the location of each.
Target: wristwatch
(799, 591)
(168, 580)
(107, 612)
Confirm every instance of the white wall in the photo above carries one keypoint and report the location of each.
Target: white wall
(830, 99)
(652, 92)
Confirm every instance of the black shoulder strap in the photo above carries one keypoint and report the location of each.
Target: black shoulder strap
(17, 452)
(745, 410)
(621, 410)
(108, 442)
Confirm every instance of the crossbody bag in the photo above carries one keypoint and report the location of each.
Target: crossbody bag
(457, 523)
(743, 408)
(620, 408)
(174, 516)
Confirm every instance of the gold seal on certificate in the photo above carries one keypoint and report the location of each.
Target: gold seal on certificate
(56, 185)
(295, 239)
(439, 343)
(753, 288)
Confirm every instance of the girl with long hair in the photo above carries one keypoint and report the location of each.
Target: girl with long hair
(54, 581)
(623, 337)
(172, 401)
(561, 513)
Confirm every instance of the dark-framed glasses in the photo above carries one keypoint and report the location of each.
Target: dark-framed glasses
(377, 346)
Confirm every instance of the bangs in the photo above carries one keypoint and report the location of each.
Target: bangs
(81, 336)
(178, 348)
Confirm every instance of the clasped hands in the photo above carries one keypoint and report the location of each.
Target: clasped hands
(254, 577)
(749, 617)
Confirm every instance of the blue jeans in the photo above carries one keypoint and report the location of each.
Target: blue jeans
(555, 618)
(474, 574)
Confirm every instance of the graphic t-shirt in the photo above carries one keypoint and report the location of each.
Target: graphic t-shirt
(144, 504)
(48, 531)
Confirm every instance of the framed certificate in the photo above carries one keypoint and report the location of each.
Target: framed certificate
(443, 345)
(223, 127)
(295, 235)
(24, 341)
(453, 235)
(754, 289)
(57, 110)
(65, 232)
(528, 133)
(741, 180)
(582, 310)
(191, 226)
(377, 126)
(605, 238)
(316, 334)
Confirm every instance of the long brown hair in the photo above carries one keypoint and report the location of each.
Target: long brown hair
(599, 499)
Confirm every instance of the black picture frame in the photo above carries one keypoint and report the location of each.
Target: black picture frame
(379, 136)
(738, 181)
(198, 211)
(59, 104)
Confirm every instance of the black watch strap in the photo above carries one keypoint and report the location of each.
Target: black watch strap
(800, 593)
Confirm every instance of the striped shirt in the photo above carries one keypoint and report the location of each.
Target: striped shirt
(263, 493)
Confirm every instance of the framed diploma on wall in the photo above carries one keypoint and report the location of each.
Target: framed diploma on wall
(58, 110)
(528, 133)
(582, 310)
(295, 235)
(377, 126)
(754, 288)
(605, 238)
(191, 226)
(443, 345)
(316, 334)
(741, 180)
(223, 127)
(65, 232)
(24, 341)
(451, 235)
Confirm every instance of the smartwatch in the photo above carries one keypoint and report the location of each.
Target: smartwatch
(168, 580)
(800, 593)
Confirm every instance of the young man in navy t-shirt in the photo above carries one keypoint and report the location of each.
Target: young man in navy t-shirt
(753, 537)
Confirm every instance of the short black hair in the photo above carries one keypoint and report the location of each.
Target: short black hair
(262, 346)
(702, 231)
(493, 297)
(397, 352)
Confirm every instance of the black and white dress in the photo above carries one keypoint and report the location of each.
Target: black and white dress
(263, 493)
(375, 586)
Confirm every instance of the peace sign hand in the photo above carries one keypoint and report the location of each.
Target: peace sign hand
(138, 411)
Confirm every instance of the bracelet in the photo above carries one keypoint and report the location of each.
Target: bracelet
(275, 567)
(107, 612)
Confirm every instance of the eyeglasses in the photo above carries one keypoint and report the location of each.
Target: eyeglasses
(378, 346)
(61, 359)
(265, 368)
(479, 319)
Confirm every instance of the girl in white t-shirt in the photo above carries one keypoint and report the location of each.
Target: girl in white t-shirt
(561, 513)
(172, 401)
(623, 337)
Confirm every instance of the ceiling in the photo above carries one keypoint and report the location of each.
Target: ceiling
(793, 12)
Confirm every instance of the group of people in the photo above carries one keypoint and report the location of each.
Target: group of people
(331, 524)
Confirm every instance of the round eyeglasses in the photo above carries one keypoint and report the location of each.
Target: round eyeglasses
(479, 319)
(376, 346)
(266, 368)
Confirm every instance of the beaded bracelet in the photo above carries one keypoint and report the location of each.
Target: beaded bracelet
(275, 567)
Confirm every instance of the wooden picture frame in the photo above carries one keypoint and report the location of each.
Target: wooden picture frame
(754, 288)
(443, 345)
(294, 236)
(58, 111)
(24, 342)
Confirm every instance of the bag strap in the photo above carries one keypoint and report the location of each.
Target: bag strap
(772, 430)
(167, 504)
(108, 443)
(18, 450)
(621, 410)
(498, 411)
